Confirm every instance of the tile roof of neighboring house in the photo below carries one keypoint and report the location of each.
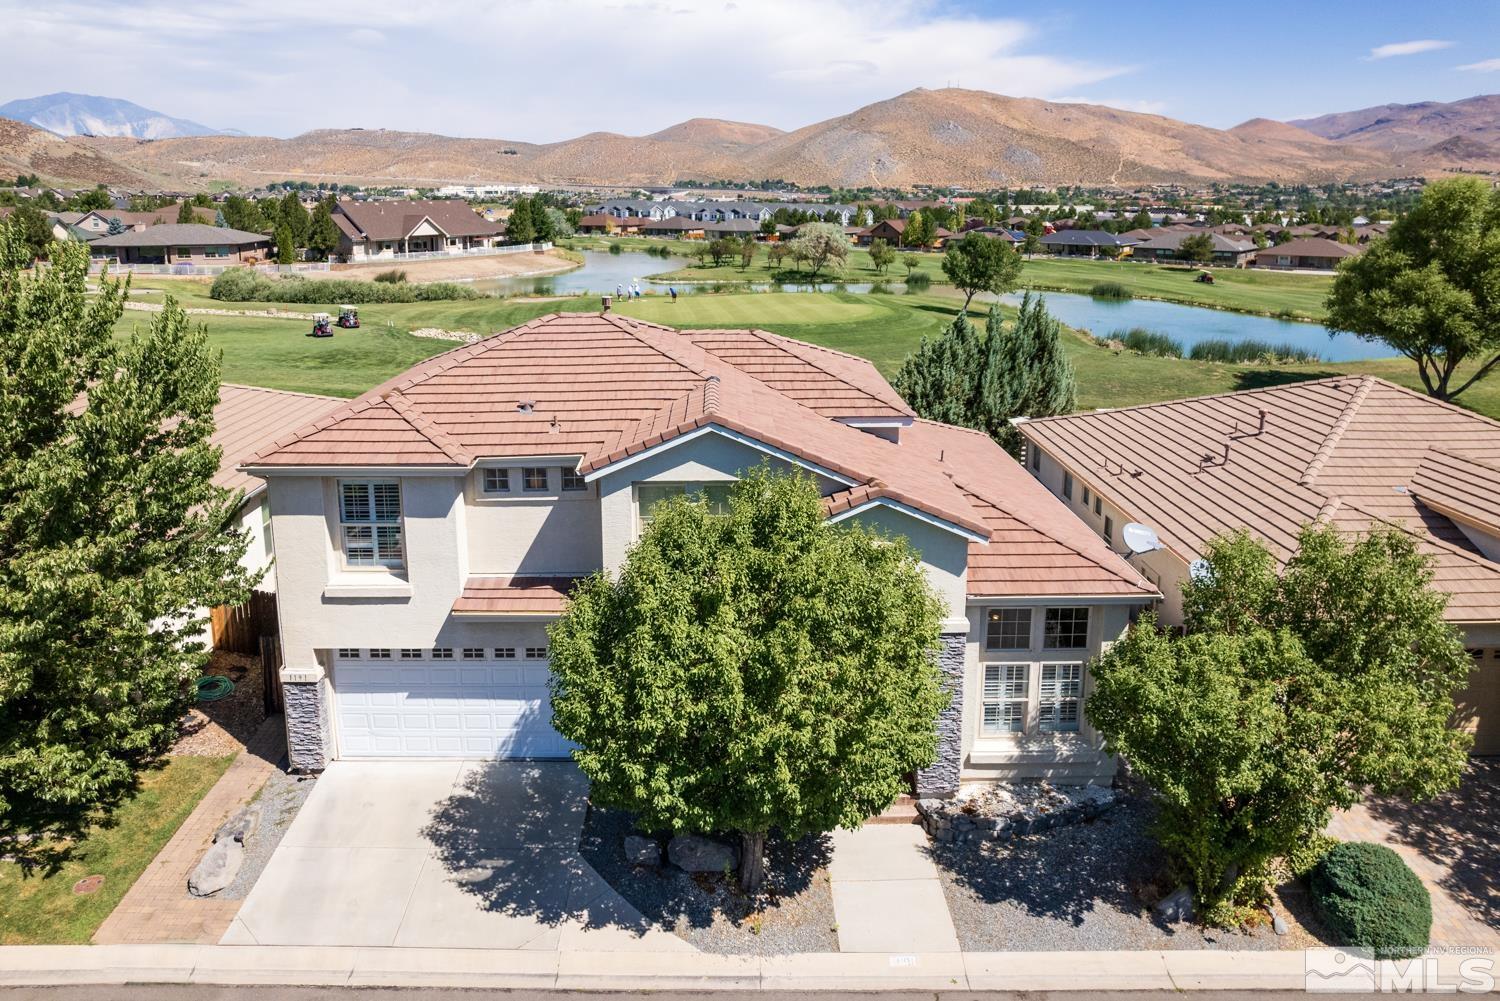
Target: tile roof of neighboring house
(675, 223)
(1460, 486)
(249, 418)
(1086, 238)
(1173, 241)
(1313, 247)
(394, 220)
(514, 595)
(607, 387)
(1350, 451)
(188, 234)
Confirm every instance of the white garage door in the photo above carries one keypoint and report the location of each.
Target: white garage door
(489, 703)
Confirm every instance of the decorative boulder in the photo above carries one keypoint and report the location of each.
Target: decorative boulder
(640, 850)
(699, 854)
(1176, 906)
(217, 869)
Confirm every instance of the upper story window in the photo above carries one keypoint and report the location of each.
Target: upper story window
(1036, 458)
(1109, 530)
(1098, 504)
(1008, 629)
(497, 481)
(534, 479)
(648, 495)
(1088, 496)
(573, 480)
(1066, 629)
(370, 521)
(1068, 485)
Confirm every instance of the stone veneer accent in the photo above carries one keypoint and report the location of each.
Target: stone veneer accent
(306, 725)
(941, 779)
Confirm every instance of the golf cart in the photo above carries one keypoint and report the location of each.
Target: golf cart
(1204, 277)
(322, 326)
(349, 317)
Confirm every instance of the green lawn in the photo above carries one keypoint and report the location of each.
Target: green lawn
(42, 908)
(883, 328)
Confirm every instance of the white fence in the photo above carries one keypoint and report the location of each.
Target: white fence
(208, 270)
(437, 255)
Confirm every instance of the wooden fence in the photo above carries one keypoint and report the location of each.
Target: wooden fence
(238, 628)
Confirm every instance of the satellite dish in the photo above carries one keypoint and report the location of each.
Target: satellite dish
(1199, 570)
(1140, 538)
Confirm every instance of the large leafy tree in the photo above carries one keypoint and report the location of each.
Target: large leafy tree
(1431, 288)
(822, 244)
(981, 381)
(111, 534)
(751, 670)
(1288, 696)
(29, 224)
(980, 263)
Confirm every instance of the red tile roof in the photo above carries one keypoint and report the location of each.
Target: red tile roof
(516, 595)
(1351, 451)
(249, 418)
(607, 387)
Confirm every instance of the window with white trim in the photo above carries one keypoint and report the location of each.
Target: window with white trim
(1066, 629)
(1088, 496)
(1008, 629)
(1036, 458)
(1058, 696)
(267, 539)
(1068, 485)
(1098, 504)
(370, 523)
(1109, 530)
(1004, 699)
(648, 495)
(496, 481)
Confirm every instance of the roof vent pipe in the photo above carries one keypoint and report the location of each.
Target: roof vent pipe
(605, 300)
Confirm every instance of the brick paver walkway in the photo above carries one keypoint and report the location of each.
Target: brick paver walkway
(158, 907)
(1453, 844)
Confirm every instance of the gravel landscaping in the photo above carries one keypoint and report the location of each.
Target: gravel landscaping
(279, 800)
(214, 729)
(795, 914)
(1084, 886)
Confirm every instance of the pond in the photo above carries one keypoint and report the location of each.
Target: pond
(1187, 325)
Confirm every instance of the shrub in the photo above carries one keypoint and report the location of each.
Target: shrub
(1148, 342)
(615, 248)
(1223, 350)
(1109, 290)
(918, 280)
(244, 285)
(393, 276)
(1366, 896)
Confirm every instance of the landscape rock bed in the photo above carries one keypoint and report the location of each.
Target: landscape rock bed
(228, 724)
(275, 807)
(439, 334)
(708, 910)
(1004, 811)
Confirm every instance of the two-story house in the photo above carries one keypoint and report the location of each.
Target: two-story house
(427, 532)
(1354, 452)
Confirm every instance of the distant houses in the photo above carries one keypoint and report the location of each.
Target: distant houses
(1167, 246)
(1308, 254)
(375, 230)
(718, 211)
(184, 243)
(1087, 243)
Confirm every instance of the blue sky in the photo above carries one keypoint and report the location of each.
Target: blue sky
(542, 70)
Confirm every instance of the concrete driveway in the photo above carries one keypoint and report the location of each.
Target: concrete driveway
(442, 854)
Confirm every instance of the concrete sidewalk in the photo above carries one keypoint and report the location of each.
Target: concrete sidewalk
(886, 894)
(1187, 970)
(499, 969)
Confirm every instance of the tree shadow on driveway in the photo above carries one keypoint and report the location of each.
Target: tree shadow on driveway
(508, 836)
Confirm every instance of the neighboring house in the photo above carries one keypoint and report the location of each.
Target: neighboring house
(98, 221)
(183, 243)
(374, 230)
(1308, 253)
(1351, 451)
(1228, 252)
(427, 532)
(677, 227)
(1085, 243)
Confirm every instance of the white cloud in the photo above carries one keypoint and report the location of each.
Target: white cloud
(1407, 48)
(532, 70)
(1483, 66)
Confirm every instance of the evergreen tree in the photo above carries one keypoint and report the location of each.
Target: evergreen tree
(520, 228)
(286, 245)
(219, 219)
(185, 213)
(941, 380)
(322, 234)
(116, 227)
(543, 230)
(111, 532)
(294, 217)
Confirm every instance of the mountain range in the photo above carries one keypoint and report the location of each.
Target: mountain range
(66, 114)
(945, 137)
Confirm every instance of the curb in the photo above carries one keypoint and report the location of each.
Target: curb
(1187, 970)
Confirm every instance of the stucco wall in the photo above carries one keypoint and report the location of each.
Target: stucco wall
(945, 556)
(525, 533)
